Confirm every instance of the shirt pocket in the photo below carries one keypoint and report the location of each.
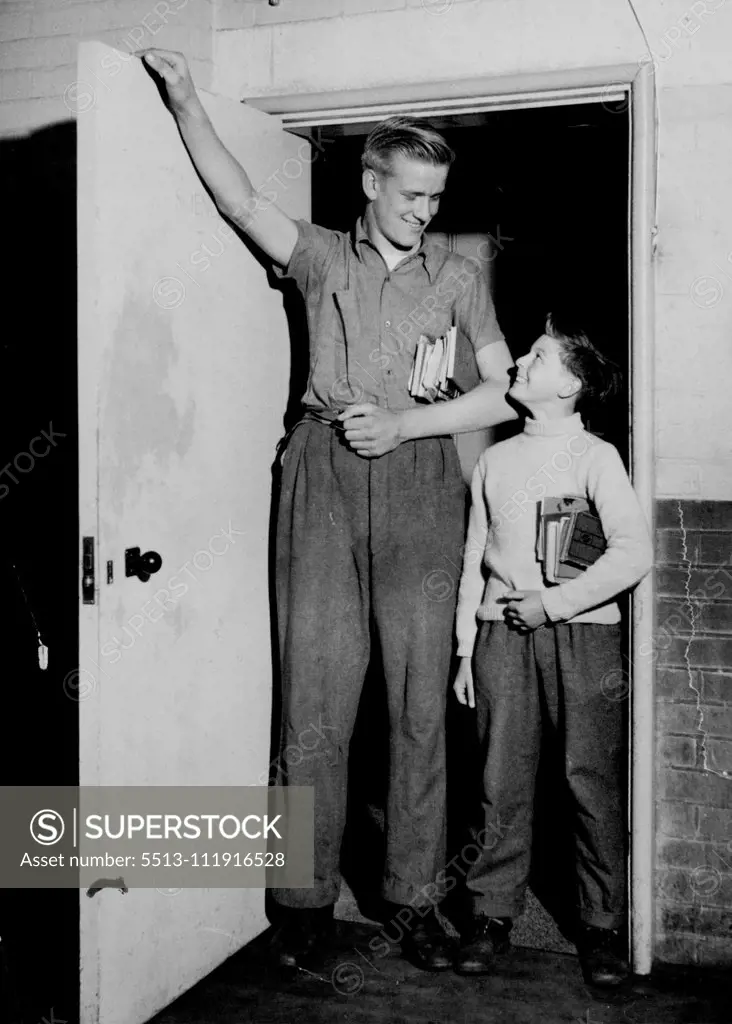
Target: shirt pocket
(343, 337)
(345, 319)
(325, 336)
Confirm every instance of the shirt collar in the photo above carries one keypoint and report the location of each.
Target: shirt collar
(553, 428)
(428, 252)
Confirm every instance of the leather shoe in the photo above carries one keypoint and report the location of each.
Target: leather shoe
(425, 943)
(600, 959)
(301, 934)
(487, 938)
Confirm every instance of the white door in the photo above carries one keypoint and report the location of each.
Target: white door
(183, 376)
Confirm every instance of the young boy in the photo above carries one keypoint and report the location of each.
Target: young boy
(545, 655)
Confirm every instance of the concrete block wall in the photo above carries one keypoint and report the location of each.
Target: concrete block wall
(327, 45)
(38, 51)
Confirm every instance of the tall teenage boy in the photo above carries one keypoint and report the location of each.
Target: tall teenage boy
(372, 500)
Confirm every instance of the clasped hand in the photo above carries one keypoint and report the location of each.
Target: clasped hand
(524, 610)
(370, 430)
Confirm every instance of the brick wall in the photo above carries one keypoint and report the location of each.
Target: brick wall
(693, 654)
(38, 44)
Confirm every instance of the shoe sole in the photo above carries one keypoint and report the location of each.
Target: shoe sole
(473, 969)
(611, 981)
(413, 957)
(605, 982)
(302, 958)
(482, 966)
(434, 968)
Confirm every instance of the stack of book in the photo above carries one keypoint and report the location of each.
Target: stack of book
(569, 537)
(433, 371)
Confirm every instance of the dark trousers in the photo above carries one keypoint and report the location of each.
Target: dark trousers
(361, 542)
(564, 679)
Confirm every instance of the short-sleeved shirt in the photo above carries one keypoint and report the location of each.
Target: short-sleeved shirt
(365, 320)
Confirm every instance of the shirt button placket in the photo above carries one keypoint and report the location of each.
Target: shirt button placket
(389, 371)
(386, 372)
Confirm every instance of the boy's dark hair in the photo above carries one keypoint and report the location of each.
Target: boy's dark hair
(409, 136)
(599, 376)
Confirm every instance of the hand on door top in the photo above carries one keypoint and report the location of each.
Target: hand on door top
(173, 68)
(272, 229)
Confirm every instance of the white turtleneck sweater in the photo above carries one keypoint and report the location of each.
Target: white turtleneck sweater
(548, 459)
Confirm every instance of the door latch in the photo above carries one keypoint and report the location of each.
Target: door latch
(87, 570)
(142, 566)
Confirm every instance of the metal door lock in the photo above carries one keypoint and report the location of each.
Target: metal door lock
(142, 566)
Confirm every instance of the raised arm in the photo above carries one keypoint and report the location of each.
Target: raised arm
(235, 196)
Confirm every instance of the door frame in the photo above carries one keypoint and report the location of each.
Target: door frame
(634, 83)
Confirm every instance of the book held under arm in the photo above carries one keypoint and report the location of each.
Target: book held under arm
(569, 538)
(432, 376)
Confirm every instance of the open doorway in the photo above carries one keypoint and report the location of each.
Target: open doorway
(548, 190)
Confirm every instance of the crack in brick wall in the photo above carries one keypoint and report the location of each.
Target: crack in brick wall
(692, 636)
(692, 651)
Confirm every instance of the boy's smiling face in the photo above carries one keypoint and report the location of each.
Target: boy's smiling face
(542, 379)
